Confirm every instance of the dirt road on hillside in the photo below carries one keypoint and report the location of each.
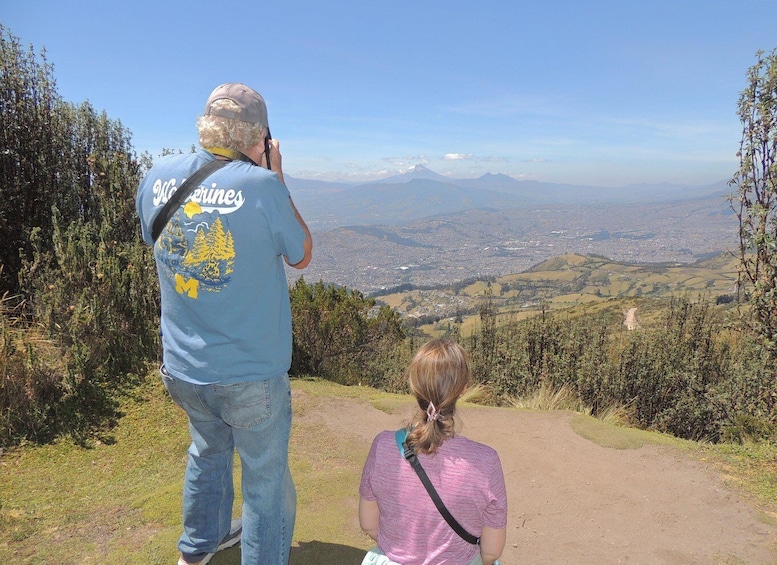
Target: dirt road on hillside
(572, 501)
(631, 319)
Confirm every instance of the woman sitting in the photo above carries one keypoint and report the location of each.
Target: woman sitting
(395, 508)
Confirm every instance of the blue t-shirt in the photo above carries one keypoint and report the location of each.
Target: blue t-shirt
(226, 316)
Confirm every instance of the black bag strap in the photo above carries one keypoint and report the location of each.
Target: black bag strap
(410, 455)
(180, 195)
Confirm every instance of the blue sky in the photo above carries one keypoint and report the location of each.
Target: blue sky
(587, 92)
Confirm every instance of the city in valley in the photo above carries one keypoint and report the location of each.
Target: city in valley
(426, 232)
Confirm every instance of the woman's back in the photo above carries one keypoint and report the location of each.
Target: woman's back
(395, 508)
(468, 477)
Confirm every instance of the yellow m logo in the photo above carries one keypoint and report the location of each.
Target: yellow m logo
(182, 286)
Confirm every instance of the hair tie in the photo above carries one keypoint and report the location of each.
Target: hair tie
(431, 413)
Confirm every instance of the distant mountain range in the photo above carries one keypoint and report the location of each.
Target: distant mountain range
(422, 228)
(422, 193)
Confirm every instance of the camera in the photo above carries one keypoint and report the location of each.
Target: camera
(267, 140)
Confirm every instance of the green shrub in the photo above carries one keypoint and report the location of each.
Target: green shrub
(686, 373)
(71, 250)
(31, 387)
(339, 334)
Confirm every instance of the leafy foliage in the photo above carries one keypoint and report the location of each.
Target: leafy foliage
(684, 374)
(31, 391)
(338, 333)
(756, 199)
(71, 250)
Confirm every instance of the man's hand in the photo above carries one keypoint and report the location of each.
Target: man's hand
(276, 160)
(275, 155)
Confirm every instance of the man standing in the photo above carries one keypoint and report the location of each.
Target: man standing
(226, 325)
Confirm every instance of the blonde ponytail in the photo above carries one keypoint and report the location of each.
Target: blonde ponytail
(438, 374)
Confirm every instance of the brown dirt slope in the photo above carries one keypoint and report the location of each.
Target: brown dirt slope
(573, 501)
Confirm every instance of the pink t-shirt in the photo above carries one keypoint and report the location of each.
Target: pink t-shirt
(468, 477)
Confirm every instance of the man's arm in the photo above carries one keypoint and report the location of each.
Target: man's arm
(276, 161)
(307, 245)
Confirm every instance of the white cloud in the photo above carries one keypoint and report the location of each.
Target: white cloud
(407, 161)
(492, 159)
(457, 156)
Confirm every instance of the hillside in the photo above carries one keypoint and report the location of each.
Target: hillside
(485, 243)
(570, 280)
(425, 229)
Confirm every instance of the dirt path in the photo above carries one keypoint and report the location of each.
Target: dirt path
(574, 502)
(631, 319)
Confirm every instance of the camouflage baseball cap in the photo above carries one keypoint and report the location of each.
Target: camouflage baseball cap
(252, 107)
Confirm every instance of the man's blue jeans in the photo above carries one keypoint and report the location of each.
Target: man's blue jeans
(255, 419)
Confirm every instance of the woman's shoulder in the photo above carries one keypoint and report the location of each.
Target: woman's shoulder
(461, 444)
(385, 435)
(384, 445)
(384, 438)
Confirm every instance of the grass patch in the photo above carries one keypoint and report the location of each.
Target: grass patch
(119, 499)
(383, 401)
(101, 503)
(549, 398)
(326, 473)
(752, 468)
(608, 434)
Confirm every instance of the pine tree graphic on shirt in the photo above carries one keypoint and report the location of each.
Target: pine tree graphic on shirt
(204, 264)
(211, 258)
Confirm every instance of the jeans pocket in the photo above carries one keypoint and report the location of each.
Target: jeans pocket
(244, 405)
(169, 383)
